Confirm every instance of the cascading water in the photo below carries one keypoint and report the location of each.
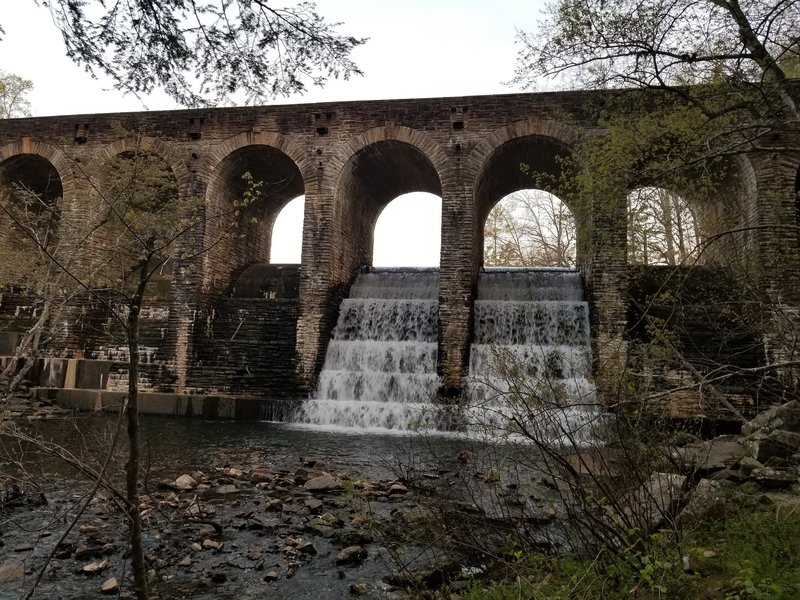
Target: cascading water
(380, 367)
(530, 357)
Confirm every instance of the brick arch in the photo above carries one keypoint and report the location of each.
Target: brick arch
(275, 161)
(154, 146)
(561, 133)
(420, 140)
(274, 140)
(60, 161)
(368, 172)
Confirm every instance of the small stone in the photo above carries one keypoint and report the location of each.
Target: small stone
(209, 544)
(87, 529)
(271, 576)
(397, 489)
(84, 550)
(233, 472)
(225, 490)
(322, 483)
(306, 548)
(275, 504)
(358, 589)
(24, 547)
(11, 571)
(185, 482)
(313, 504)
(709, 554)
(196, 547)
(260, 476)
(352, 555)
(95, 567)
(110, 586)
(491, 476)
(186, 561)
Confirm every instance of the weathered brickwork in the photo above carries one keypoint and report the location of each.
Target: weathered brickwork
(351, 159)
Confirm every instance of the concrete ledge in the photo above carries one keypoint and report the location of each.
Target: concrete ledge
(174, 405)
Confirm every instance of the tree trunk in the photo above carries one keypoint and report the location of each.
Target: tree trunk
(132, 466)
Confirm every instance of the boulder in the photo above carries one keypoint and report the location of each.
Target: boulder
(786, 417)
(352, 555)
(110, 586)
(185, 482)
(778, 443)
(656, 499)
(713, 455)
(322, 483)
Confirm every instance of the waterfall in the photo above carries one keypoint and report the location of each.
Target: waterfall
(530, 359)
(380, 367)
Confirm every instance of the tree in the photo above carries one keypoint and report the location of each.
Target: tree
(661, 227)
(530, 228)
(742, 53)
(13, 96)
(139, 222)
(204, 52)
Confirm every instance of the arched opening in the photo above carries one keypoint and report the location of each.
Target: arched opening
(530, 228)
(372, 178)
(30, 188)
(247, 191)
(136, 205)
(662, 228)
(287, 234)
(408, 232)
(525, 180)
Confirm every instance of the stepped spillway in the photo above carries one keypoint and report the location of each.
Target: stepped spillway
(380, 366)
(530, 359)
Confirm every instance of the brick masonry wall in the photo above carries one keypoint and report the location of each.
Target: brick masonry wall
(350, 159)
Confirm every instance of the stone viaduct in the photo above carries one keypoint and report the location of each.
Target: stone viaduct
(350, 159)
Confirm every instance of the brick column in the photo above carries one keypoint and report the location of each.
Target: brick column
(607, 284)
(460, 258)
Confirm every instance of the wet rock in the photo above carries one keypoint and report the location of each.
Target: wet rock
(209, 544)
(233, 472)
(11, 571)
(271, 576)
(358, 589)
(218, 576)
(95, 567)
(352, 555)
(261, 476)
(785, 416)
(226, 490)
(306, 548)
(351, 537)
(432, 576)
(313, 504)
(397, 489)
(88, 529)
(110, 586)
(776, 444)
(322, 483)
(770, 478)
(86, 551)
(199, 511)
(185, 482)
(24, 547)
(713, 455)
(275, 504)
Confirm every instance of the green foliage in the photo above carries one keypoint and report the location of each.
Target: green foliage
(755, 557)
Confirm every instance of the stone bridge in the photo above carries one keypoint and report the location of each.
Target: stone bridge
(350, 159)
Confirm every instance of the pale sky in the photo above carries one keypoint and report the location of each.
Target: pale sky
(416, 49)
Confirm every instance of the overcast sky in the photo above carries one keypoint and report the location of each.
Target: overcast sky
(416, 49)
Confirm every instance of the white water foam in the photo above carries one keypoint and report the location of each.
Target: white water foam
(380, 366)
(530, 360)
